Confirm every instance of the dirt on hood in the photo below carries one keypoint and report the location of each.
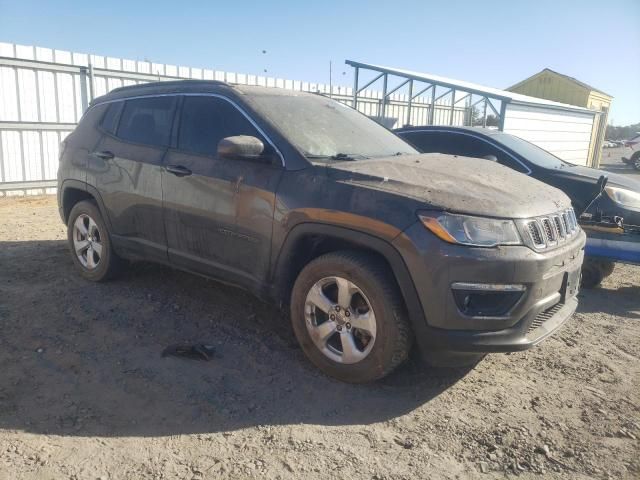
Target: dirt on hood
(456, 184)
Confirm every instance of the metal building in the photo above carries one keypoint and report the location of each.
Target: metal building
(564, 130)
(555, 86)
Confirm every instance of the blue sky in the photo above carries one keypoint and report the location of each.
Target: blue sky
(495, 43)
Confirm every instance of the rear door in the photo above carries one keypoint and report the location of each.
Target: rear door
(218, 212)
(127, 170)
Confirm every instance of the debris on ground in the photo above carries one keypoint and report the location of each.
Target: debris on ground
(197, 351)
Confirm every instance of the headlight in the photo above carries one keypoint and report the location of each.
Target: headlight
(467, 230)
(624, 197)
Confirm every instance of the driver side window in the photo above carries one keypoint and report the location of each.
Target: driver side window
(204, 121)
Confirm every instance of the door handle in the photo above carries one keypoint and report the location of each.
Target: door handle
(178, 170)
(104, 155)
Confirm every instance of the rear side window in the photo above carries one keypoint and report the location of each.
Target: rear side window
(433, 142)
(460, 144)
(207, 120)
(147, 121)
(110, 118)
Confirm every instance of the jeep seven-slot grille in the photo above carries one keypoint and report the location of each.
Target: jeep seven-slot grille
(559, 227)
(536, 234)
(551, 230)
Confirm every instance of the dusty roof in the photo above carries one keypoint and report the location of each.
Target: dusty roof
(192, 86)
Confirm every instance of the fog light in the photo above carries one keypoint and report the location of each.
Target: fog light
(486, 299)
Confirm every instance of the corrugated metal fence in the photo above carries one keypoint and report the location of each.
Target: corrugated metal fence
(43, 93)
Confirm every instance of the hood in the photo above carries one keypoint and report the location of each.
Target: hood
(456, 184)
(614, 179)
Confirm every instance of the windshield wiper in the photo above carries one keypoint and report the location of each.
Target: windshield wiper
(339, 156)
(345, 156)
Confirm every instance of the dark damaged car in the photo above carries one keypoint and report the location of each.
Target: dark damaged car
(305, 202)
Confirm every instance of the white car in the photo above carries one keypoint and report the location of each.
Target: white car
(634, 145)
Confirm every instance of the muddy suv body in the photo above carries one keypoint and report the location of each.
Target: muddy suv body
(304, 201)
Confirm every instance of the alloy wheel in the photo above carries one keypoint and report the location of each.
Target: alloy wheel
(340, 320)
(87, 241)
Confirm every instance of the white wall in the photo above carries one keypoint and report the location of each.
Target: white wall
(565, 134)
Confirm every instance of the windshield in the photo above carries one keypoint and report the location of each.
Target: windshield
(531, 152)
(323, 128)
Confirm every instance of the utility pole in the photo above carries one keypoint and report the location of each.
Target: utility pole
(330, 81)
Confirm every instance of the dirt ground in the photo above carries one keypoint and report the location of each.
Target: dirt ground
(85, 393)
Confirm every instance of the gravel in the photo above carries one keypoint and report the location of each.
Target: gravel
(85, 393)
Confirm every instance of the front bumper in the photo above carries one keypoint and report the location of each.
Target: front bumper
(550, 279)
(530, 331)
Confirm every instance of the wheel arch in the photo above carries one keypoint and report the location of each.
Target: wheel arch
(307, 241)
(74, 191)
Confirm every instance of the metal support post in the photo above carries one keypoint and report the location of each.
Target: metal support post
(383, 105)
(355, 88)
(408, 122)
(84, 79)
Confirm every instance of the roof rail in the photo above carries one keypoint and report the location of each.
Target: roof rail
(170, 83)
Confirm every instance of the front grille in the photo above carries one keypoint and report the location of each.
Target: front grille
(536, 234)
(550, 231)
(544, 316)
(565, 223)
(559, 227)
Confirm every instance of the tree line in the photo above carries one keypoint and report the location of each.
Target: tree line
(622, 133)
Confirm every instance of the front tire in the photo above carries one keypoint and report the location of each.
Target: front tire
(349, 317)
(90, 243)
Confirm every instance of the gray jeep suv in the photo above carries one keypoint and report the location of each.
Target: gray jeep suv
(306, 202)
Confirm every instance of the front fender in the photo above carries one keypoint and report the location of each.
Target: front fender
(281, 278)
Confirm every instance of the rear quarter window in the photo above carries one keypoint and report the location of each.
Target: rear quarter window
(147, 121)
(110, 119)
(87, 133)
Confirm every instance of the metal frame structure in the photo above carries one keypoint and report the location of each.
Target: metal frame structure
(488, 96)
(427, 84)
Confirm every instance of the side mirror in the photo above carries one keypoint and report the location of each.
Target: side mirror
(240, 147)
(602, 182)
(492, 158)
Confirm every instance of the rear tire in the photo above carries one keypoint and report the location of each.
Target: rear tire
(349, 317)
(90, 244)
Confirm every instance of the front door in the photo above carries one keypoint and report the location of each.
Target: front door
(126, 168)
(218, 212)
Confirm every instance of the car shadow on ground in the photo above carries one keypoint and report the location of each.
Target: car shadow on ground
(84, 359)
(621, 301)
